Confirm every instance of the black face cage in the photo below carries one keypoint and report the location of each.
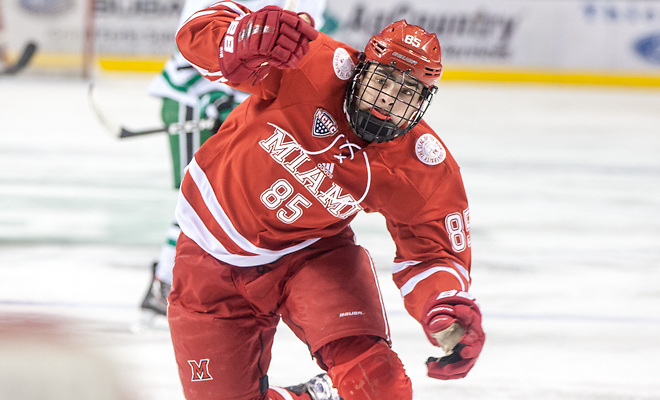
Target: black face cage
(358, 109)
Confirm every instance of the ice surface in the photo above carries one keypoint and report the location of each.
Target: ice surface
(564, 185)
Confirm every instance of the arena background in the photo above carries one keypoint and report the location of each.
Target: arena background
(576, 41)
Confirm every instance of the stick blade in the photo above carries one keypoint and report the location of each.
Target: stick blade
(23, 61)
(126, 133)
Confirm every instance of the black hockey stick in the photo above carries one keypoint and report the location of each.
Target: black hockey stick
(5, 67)
(125, 132)
(23, 61)
(187, 126)
(113, 127)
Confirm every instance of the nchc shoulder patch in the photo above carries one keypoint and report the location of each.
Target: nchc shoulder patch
(343, 64)
(324, 124)
(429, 150)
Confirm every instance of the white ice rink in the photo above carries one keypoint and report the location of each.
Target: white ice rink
(564, 185)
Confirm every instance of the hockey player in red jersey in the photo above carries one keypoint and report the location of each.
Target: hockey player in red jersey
(266, 204)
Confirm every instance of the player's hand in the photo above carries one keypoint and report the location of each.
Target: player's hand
(268, 37)
(452, 320)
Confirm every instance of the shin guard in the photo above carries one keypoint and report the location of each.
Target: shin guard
(376, 374)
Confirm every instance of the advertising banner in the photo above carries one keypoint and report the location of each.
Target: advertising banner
(136, 27)
(533, 37)
(590, 35)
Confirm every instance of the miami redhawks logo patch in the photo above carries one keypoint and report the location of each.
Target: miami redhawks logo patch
(324, 124)
(343, 64)
(200, 370)
(429, 150)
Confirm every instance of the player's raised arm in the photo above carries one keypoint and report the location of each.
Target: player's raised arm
(229, 43)
(200, 37)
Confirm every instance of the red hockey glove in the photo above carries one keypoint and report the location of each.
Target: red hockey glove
(268, 37)
(452, 320)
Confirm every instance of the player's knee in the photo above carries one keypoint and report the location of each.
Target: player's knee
(365, 368)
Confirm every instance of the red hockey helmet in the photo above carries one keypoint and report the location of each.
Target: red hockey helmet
(394, 82)
(409, 47)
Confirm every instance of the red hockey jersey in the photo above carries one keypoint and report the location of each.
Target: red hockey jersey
(286, 169)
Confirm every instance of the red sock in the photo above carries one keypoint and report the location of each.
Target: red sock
(278, 393)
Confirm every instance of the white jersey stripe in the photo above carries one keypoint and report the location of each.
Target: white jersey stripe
(400, 266)
(412, 282)
(463, 271)
(193, 227)
(211, 202)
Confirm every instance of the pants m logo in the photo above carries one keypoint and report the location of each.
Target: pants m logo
(200, 370)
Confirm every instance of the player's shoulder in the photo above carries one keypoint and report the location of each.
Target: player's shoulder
(326, 46)
(328, 66)
(427, 148)
(420, 153)
(420, 167)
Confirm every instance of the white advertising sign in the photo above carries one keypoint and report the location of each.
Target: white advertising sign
(573, 36)
(594, 35)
